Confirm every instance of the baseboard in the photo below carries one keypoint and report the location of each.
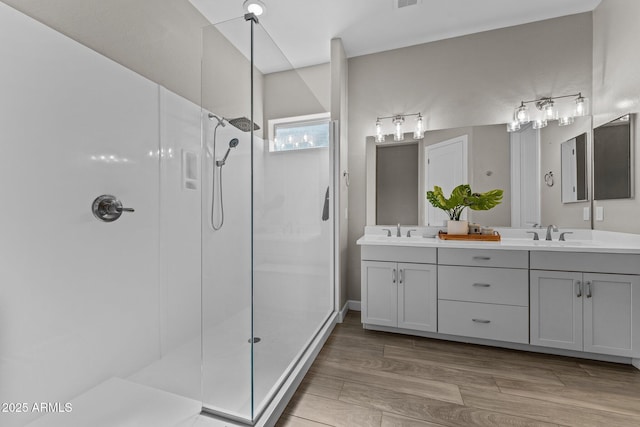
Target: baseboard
(350, 305)
(343, 312)
(504, 344)
(354, 305)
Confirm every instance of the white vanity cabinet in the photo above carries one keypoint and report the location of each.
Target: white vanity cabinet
(484, 294)
(399, 287)
(590, 308)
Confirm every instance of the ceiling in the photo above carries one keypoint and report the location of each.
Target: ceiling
(302, 29)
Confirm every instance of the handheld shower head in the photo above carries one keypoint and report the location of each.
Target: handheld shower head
(232, 144)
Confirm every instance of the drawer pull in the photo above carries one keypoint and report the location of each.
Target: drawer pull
(588, 284)
(481, 320)
(401, 275)
(482, 285)
(393, 275)
(482, 258)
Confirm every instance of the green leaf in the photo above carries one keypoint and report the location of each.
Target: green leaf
(462, 197)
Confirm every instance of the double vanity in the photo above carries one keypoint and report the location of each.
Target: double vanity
(579, 297)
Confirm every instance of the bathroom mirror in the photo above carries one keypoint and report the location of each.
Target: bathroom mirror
(489, 166)
(574, 180)
(612, 154)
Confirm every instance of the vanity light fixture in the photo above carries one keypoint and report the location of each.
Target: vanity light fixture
(547, 110)
(398, 131)
(254, 6)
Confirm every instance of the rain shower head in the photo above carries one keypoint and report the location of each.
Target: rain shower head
(243, 124)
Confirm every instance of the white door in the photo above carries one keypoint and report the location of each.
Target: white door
(569, 171)
(380, 293)
(525, 177)
(446, 167)
(417, 299)
(608, 313)
(556, 309)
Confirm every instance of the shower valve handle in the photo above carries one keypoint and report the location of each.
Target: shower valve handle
(108, 208)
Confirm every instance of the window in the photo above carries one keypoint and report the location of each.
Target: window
(299, 133)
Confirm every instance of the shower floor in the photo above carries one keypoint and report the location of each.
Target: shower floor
(226, 369)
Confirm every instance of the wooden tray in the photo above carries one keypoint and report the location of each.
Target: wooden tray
(495, 237)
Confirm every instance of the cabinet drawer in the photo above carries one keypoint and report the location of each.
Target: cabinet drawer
(491, 321)
(491, 285)
(483, 258)
(586, 262)
(398, 254)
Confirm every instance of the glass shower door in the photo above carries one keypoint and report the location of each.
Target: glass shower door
(267, 271)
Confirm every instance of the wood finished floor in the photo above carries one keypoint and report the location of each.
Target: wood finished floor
(367, 378)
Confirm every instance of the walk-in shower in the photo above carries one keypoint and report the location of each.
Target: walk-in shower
(267, 275)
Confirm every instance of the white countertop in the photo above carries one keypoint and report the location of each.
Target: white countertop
(513, 239)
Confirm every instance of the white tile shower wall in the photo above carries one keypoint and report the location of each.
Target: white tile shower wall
(179, 222)
(80, 300)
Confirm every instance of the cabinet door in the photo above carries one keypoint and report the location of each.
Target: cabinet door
(379, 293)
(608, 313)
(556, 309)
(417, 297)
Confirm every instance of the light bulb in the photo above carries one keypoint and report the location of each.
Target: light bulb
(418, 133)
(398, 134)
(549, 110)
(521, 114)
(513, 126)
(565, 121)
(379, 135)
(254, 6)
(581, 106)
(539, 123)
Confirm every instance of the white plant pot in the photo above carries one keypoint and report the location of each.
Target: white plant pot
(457, 227)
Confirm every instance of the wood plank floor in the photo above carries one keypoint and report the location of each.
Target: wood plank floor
(367, 378)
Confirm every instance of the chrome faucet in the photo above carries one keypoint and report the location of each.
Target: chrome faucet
(398, 234)
(549, 228)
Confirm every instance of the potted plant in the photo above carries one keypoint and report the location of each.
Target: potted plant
(461, 198)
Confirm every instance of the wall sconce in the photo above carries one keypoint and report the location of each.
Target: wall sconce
(547, 110)
(398, 131)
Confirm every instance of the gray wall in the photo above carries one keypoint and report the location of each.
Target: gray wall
(397, 184)
(470, 80)
(159, 39)
(616, 91)
(297, 92)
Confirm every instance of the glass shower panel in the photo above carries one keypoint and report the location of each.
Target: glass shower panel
(226, 227)
(293, 227)
(267, 279)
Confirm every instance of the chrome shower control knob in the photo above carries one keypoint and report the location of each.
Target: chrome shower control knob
(108, 208)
